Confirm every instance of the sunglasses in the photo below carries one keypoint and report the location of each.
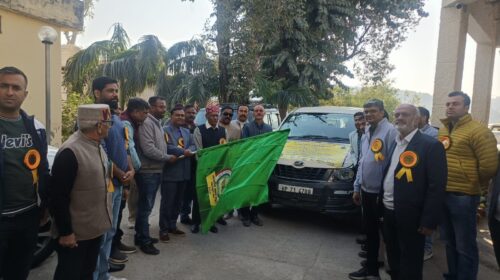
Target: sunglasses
(227, 114)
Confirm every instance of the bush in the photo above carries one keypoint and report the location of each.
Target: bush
(70, 110)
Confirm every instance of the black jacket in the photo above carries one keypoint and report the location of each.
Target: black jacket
(37, 132)
(420, 203)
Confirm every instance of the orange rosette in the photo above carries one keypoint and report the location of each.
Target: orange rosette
(446, 141)
(376, 148)
(32, 161)
(222, 141)
(180, 143)
(125, 132)
(408, 160)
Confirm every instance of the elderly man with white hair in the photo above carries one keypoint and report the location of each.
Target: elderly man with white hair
(412, 196)
(80, 194)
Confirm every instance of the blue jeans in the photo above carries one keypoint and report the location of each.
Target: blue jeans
(147, 186)
(459, 232)
(101, 271)
(428, 243)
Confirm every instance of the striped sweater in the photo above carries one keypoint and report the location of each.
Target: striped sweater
(471, 154)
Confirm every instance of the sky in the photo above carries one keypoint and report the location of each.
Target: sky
(175, 20)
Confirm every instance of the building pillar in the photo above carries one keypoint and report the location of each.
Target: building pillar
(450, 58)
(483, 80)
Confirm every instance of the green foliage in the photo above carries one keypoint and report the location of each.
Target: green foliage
(70, 110)
(357, 97)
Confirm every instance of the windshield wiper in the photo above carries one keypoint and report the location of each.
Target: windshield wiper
(314, 136)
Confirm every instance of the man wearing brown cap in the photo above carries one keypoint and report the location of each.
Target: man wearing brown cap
(80, 194)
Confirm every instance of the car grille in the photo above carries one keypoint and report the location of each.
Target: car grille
(306, 173)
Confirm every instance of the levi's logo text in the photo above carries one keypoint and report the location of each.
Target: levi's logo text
(23, 141)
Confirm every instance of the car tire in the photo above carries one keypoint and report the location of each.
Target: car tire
(44, 246)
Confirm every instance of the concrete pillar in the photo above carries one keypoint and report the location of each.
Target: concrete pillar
(483, 78)
(450, 58)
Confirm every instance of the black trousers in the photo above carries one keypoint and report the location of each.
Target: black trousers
(405, 248)
(371, 226)
(18, 236)
(79, 262)
(187, 198)
(495, 237)
(170, 207)
(195, 215)
(248, 213)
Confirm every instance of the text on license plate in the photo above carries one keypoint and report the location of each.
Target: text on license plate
(294, 189)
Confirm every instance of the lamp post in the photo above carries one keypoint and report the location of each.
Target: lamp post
(47, 35)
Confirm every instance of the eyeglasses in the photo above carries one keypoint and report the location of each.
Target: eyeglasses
(227, 114)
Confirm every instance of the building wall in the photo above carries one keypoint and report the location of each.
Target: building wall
(20, 47)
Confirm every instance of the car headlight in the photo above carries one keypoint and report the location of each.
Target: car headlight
(341, 174)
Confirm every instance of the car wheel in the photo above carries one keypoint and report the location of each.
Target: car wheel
(44, 245)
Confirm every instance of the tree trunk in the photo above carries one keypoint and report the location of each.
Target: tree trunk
(224, 15)
(283, 109)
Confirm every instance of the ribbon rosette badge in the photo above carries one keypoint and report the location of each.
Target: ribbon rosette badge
(376, 148)
(32, 161)
(222, 141)
(446, 141)
(407, 159)
(180, 143)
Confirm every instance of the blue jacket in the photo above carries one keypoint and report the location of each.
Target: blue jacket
(181, 169)
(38, 134)
(370, 170)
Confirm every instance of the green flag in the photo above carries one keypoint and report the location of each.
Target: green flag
(235, 175)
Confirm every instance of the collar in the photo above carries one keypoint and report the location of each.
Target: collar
(407, 139)
(465, 119)
(425, 127)
(207, 125)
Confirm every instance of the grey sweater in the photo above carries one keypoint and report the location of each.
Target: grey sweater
(152, 148)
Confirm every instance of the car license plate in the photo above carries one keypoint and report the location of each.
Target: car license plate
(294, 189)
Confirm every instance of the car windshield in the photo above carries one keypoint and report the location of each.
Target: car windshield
(320, 126)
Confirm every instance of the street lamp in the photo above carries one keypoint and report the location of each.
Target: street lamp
(47, 35)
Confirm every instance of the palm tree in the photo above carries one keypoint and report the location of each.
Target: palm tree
(182, 73)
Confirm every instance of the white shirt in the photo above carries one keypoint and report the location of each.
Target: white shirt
(401, 145)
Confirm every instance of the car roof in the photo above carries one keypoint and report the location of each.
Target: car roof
(329, 109)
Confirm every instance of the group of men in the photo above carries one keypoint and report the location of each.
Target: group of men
(112, 158)
(413, 178)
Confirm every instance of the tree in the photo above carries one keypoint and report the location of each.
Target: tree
(358, 97)
(306, 43)
(70, 110)
(88, 12)
(182, 73)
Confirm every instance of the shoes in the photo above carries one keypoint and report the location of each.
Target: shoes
(117, 257)
(221, 221)
(126, 249)
(229, 215)
(195, 228)
(361, 240)
(111, 277)
(364, 262)
(364, 248)
(214, 229)
(115, 267)
(164, 237)
(246, 222)
(186, 220)
(428, 255)
(257, 221)
(362, 274)
(177, 232)
(363, 254)
(149, 249)
(151, 239)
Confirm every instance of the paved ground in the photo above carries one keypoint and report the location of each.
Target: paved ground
(293, 244)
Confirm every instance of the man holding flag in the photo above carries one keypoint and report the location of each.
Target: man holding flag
(208, 135)
(257, 127)
(235, 175)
